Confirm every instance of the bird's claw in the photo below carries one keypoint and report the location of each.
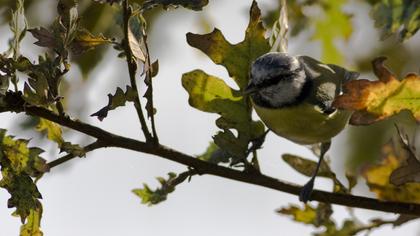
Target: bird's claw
(306, 191)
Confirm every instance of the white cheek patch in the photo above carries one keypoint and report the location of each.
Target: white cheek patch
(283, 93)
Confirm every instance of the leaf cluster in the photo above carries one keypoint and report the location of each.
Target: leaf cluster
(19, 165)
(211, 94)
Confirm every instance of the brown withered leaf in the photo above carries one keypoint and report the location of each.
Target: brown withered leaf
(45, 37)
(378, 178)
(373, 101)
(408, 172)
(135, 47)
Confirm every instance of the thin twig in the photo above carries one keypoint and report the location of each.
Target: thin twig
(371, 226)
(150, 97)
(132, 68)
(70, 156)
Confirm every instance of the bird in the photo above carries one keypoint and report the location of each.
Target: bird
(293, 96)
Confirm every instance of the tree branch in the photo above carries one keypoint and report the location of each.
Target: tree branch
(202, 167)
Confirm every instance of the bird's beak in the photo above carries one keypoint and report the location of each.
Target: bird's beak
(250, 89)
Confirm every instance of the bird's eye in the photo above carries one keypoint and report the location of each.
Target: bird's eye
(274, 80)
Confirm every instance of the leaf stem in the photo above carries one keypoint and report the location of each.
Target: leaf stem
(280, 42)
(132, 68)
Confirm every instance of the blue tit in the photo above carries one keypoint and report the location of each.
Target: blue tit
(293, 96)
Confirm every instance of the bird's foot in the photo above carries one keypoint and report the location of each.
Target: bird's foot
(306, 191)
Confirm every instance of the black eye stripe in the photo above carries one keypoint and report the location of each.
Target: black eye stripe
(272, 81)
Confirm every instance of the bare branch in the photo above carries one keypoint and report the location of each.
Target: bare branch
(202, 167)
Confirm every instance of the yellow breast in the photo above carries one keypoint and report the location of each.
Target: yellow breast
(303, 124)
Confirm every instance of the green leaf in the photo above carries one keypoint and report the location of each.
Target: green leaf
(117, 100)
(24, 193)
(18, 163)
(214, 154)
(33, 225)
(334, 25)
(211, 94)
(227, 141)
(236, 58)
(196, 5)
(43, 82)
(152, 197)
(400, 17)
(21, 158)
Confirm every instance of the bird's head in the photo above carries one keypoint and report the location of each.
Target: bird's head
(276, 80)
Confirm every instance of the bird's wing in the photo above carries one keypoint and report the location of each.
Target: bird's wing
(327, 82)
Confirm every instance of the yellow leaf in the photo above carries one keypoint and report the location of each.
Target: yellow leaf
(85, 41)
(53, 130)
(33, 223)
(306, 216)
(377, 178)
